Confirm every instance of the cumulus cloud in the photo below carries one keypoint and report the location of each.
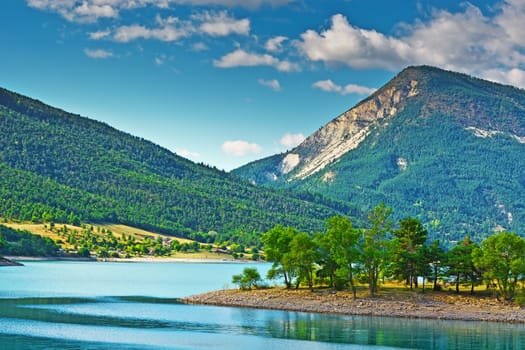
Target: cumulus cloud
(98, 53)
(99, 34)
(187, 153)
(290, 140)
(242, 58)
(466, 41)
(514, 76)
(221, 24)
(167, 33)
(92, 10)
(273, 84)
(240, 148)
(275, 44)
(330, 86)
(85, 11)
(344, 44)
(173, 28)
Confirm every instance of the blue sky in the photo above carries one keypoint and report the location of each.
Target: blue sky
(225, 82)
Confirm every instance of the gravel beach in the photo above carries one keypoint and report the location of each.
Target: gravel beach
(431, 305)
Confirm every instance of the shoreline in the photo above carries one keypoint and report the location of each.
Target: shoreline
(431, 305)
(9, 262)
(178, 260)
(133, 260)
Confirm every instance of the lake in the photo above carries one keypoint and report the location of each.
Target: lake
(89, 305)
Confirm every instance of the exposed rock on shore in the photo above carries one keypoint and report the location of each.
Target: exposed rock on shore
(7, 262)
(406, 305)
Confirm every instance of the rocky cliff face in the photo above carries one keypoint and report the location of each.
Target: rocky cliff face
(347, 131)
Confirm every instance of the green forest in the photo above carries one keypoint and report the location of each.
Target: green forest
(63, 168)
(342, 257)
(23, 243)
(457, 181)
(59, 168)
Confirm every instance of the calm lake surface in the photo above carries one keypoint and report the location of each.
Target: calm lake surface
(87, 305)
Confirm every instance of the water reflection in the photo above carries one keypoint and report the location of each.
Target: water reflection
(394, 332)
(138, 315)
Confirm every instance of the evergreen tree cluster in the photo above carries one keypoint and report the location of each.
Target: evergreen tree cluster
(23, 243)
(343, 256)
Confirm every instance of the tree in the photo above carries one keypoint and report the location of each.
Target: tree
(375, 245)
(277, 248)
(303, 255)
(422, 264)
(502, 260)
(436, 256)
(407, 250)
(84, 252)
(341, 242)
(461, 265)
(249, 278)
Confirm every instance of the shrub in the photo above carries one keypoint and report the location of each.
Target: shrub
(250, 278)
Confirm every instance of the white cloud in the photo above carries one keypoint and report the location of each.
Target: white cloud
(187, 153)
(275, 44)
(241, 58)
(98, 53)
(221, 24)
(357, 89)
(290, 140)
(75, 11)
(167, 33)
(343, 44)
(330, 86)
(200, 46)
(244, 3)
(466, 41)
(92, 10)
(99, 35)
(240, 148)
(327, 85)
(171, 28)
(273, 84)
(514, 76)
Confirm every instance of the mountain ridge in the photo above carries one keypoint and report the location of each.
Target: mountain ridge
(431, 143)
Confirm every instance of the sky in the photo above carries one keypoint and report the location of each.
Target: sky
(226, 82)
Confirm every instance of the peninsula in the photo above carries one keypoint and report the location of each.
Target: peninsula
(430, 305)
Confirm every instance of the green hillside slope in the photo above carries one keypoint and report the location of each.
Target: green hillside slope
(55, 166)
(451, 154)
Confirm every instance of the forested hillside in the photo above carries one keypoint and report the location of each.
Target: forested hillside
(441, 146)
(56, 166)
(23, 243)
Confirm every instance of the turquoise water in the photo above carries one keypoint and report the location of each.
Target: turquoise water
(69, 305)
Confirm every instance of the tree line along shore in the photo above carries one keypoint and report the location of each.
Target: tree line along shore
(111, 242)
(381, 271)
(343, 257)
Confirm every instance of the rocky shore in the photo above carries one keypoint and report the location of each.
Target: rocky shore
(7, 262)
(439, 305)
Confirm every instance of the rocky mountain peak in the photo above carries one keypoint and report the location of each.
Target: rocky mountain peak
(348, 130)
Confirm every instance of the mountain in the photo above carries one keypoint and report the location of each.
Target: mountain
(441, 146)
(61, 167)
